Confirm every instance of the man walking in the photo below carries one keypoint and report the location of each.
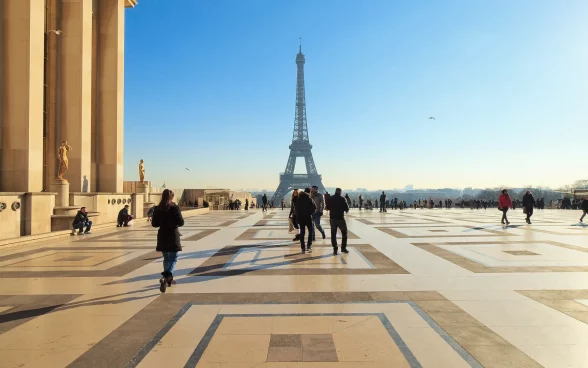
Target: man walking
(319, 202)
(528, 205)
(304, 209)
(338, 207)
(383, 202)
(264, 201)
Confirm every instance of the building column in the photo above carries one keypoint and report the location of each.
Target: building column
(21, 118)
(110, 54)
(76, 89)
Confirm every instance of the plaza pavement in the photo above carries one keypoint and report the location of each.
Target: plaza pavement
(419, 288)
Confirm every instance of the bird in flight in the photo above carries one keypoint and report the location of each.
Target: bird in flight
(431, 118)
(187, 169)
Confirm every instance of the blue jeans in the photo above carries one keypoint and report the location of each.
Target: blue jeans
(80, 227)
(316, 219)
(169, 261)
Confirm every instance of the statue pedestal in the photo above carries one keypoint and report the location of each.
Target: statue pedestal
(61, 187)
(143, 188)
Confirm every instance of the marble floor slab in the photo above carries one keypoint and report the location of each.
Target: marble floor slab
(418, 288)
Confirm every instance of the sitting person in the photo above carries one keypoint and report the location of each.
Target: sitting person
(124, 217)
(80, 221)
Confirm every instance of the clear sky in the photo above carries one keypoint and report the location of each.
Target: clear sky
(210, 85)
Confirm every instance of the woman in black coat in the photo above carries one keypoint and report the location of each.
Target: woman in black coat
(168, 218)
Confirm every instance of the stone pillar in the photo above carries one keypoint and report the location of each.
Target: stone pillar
(75, 89)
(21, 120)
(137, 205)
(61, 187)
(110, 85)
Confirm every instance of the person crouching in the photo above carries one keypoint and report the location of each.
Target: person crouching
(124, 217)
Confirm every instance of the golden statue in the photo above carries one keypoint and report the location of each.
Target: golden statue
(141, 171)
(62, 157)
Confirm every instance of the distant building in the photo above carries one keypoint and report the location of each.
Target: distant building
(409, 187)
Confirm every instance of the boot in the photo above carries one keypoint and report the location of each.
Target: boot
(163, 281)
(296, 238)
(170, 279)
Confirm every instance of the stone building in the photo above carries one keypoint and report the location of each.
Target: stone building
(61, 79)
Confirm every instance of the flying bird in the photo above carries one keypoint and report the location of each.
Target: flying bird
(431, 118)
(187, 169)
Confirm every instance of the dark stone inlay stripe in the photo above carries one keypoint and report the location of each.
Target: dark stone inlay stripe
(203, 344)
(147, 348)
(125, 343)
(116, 271)
(27, 307)
(476, 267)
(136, 337)
(201, 235)
(218, 263)
(249, 234)
(408, 355)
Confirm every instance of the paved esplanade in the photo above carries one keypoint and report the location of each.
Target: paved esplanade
(419, 288)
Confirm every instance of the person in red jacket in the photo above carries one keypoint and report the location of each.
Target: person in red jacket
(504, 203)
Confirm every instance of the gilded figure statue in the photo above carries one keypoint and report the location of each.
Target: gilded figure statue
(141, 172)
(62, 157)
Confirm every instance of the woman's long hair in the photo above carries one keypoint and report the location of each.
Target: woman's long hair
(294, 193)
(166, 196)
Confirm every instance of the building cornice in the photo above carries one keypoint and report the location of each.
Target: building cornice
(130, 3)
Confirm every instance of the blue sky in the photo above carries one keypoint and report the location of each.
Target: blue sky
(210, 85)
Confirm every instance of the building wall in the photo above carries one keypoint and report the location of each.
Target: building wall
(77, 95)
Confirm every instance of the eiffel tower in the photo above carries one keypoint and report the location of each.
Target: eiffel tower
(300, 146)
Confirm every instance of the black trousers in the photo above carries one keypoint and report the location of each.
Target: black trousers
(529, 212)
(303, 226)
(342, 225)
(382, 207)
(504, 211)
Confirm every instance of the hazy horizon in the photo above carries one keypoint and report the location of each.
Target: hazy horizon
(210, 85)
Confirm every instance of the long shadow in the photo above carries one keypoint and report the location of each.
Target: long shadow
(36, 312)
(218, 271)
(211, 254)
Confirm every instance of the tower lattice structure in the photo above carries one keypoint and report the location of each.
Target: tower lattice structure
(300, 146)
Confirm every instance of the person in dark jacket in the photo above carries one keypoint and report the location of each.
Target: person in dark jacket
(124, 217)
(584, 208)
(528, 205)
(168, 218)
(292, 215)
(348, 200)
(338, 207)
(382, 202)
(360, 201)
(305, 207)
(264, 201)
(80, 221)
